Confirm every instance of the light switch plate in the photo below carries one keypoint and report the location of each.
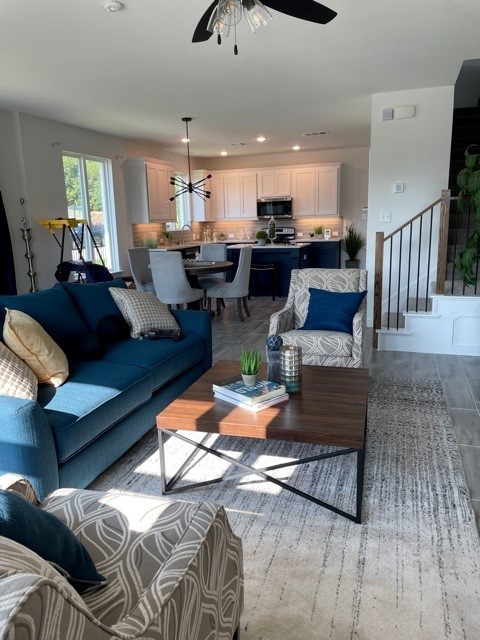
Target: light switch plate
(386, 216)
(231, 235)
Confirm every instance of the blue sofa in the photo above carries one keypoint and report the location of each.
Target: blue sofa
(74, 432)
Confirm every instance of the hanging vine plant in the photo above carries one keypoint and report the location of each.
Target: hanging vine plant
(469, 201)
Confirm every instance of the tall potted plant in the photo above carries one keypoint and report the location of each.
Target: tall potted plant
(353, 241)
(469, 201)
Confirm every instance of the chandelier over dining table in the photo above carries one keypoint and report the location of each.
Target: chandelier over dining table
(180, 184)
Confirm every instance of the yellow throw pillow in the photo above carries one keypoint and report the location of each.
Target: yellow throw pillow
(16, 379)
(30, 342)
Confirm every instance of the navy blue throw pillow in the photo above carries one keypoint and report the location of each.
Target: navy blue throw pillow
(48, 537)
(332, 310)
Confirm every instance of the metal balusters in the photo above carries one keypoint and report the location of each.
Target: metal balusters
(428, 260)
(400, 247)
(418, 263)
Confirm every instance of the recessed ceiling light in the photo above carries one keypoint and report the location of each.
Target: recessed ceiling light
(113, 6)
(296, 148)
(224, 153)
(185, 140)
(261, 139)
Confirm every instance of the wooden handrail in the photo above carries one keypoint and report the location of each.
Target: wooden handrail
(430, 206)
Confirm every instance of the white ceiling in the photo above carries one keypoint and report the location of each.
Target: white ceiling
(136, 73)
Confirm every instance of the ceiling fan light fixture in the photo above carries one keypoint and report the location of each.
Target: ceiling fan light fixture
(256, 13)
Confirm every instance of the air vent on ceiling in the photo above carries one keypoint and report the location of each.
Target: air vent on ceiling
(316, 133)
(238, 144)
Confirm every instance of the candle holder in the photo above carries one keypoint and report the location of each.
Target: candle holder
(291, 368)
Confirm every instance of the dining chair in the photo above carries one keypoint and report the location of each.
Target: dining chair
(238, 288)
(170, 280)
(213, 252)
(142, 276)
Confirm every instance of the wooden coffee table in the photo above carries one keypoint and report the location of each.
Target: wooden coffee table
(331, 410)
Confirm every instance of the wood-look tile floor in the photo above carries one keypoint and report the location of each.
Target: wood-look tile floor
(459, 375)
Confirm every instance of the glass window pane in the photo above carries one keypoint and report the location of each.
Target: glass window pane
(97, 209)
(73, 188)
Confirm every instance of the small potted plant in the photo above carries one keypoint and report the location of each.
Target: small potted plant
(353, 241)
(250, 360)
(261, 237)
(318, 231)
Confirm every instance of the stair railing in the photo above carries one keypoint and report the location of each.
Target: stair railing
(406, 270)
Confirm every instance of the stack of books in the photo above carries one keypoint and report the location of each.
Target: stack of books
(262, 395)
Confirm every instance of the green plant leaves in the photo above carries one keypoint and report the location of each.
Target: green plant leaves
(473, 184)
(462, 178)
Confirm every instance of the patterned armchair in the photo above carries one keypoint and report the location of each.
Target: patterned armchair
(174, 571)
(327, 348)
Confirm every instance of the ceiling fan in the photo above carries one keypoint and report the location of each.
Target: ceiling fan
(221, 15)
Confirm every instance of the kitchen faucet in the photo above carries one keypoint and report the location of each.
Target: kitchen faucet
(188, 227)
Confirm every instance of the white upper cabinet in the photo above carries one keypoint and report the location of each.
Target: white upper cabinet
(328, 191)
(217, 200)
(304, 191)
(316, 190)
(240, 194)
(149, 190)
(274, 182)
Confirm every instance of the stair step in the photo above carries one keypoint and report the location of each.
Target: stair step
(459, 289)
(393, 321)
(413, 305)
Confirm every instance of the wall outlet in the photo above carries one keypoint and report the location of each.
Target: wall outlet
(300, 235)
(386, 216)
(334, 234)
(231, 235)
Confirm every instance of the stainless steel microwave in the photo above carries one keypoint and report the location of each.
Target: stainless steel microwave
(280, 208)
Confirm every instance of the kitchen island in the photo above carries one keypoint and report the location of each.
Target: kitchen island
(287, 257)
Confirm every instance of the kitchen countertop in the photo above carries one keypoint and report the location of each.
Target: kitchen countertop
(285, 247)
(311, 240)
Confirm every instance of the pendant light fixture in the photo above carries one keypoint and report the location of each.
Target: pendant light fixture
(180, 184)
(228, 13)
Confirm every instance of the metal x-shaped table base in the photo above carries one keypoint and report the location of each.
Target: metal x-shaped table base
(169, 486)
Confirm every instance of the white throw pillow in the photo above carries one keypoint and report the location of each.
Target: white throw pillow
(16, 379)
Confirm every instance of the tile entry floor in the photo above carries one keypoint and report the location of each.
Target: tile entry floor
(459, 375)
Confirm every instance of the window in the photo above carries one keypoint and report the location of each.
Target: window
(88, 186)
(181, 208)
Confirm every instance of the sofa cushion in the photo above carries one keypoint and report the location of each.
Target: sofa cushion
(144, 312)
(332, 310)
(17, 380)
(97, 395)
(328, 343)
(30, 342)
(163, 359)
(93, 301)
(50, 538)
(53, 309)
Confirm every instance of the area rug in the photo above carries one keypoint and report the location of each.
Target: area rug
(411, 571)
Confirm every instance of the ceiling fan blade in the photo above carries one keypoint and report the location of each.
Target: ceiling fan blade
(303, 10)
(201, 34)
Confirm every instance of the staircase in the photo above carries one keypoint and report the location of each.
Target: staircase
(420, 302)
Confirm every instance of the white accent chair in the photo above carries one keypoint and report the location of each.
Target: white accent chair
(142, 276)
(326, 348)
(170, 280)
(238, 288)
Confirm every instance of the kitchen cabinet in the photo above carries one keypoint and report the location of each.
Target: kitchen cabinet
(274, 182)
(316, 190)
(285, 257)
(240, 190)
(149, 190)
(212, 208)
(325, 255)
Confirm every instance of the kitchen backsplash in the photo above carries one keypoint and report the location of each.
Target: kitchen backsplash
(148, 234)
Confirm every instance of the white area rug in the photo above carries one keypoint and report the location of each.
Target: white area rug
(411, 571)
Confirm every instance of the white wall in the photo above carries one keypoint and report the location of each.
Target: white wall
(31, 167)
(415, 151)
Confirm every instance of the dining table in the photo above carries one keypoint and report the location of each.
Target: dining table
(196, 268)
